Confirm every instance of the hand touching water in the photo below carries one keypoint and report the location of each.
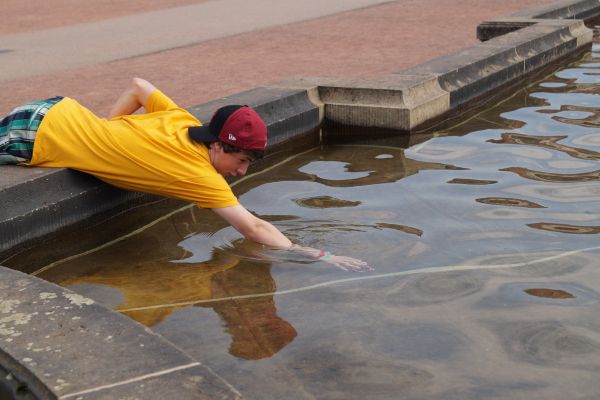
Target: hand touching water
(348, 263)
(341, 262)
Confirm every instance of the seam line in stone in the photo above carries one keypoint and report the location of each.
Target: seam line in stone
(131, 380)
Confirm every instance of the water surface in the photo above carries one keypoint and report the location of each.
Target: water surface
(484, 239)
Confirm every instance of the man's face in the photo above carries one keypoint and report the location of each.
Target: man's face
(229, 164)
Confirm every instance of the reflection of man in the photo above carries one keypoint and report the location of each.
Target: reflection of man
(164, 151)
(152, 292)
(256, 329)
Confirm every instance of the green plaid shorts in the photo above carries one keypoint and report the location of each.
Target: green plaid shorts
(18, 130)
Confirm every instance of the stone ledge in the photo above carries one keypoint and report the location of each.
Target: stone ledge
(38, 201)
(571, 9)
(390, 102)
(56, 344)
(410, 98)
(481, 69)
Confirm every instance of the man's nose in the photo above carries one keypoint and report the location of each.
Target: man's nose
(241, 171)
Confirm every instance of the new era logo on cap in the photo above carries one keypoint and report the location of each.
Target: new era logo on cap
(244, 129)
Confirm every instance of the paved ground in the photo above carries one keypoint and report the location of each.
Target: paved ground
(247, 48)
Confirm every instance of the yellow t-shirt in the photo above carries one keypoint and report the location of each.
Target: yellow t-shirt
(143, 152)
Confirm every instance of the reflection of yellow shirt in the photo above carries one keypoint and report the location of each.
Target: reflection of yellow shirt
(143, 152)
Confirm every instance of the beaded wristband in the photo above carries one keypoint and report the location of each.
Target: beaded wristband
(323, 255)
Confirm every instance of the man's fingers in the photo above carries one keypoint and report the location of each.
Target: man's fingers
(354, 265)
(350, 264)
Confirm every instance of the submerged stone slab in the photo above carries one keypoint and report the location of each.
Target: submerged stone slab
(58, 344)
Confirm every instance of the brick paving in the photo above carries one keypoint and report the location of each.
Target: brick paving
(361, 43)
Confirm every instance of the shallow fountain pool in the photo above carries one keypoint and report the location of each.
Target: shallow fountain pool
(484, 239)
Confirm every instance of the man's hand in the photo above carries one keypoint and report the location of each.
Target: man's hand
(349, 263)
(342, 262)
(263, 232)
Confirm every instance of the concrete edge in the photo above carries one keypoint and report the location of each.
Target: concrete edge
(479, 70)
(565, 9)
(56, 198)
(570, 9)
(412, 97)
(56, 344)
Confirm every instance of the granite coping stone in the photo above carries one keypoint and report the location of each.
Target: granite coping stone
(562, 10)
(478, 70)
(570, 9)
(77, 348)
(38, 201)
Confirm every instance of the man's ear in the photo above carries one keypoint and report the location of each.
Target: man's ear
(217, 146)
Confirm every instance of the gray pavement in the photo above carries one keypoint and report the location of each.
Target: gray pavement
(40, 52)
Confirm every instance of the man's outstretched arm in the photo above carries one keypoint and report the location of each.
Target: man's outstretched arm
(252, 227)
(263, 232)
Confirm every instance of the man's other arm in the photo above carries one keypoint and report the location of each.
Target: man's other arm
(132, 98)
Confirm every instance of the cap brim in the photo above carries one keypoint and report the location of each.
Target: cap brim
(202, 134)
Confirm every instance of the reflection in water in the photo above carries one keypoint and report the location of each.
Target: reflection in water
(548, 142)
(590, 121)
(571, 193)
(554, 177)
(464, 181)
(504, 201)
(256, 329)
(553, 84)
(149, 290)
(325, 202)
(549, 293)
(588, 140)
(355, 166)
(402, 228)
(565, 228)
(166, 267)
(546, 343)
